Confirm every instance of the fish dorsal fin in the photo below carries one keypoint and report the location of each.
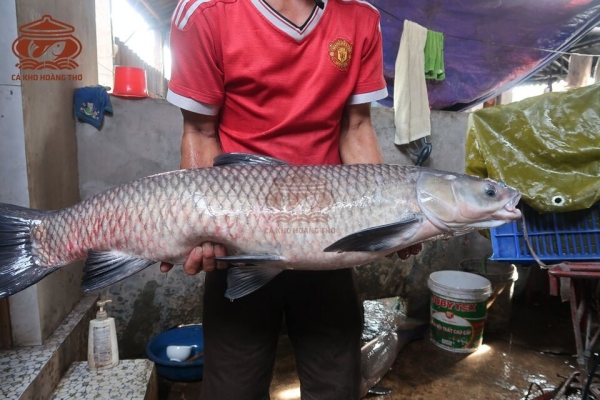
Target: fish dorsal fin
(242, 281)
(105, 268)
(378, 238)
(245, 159)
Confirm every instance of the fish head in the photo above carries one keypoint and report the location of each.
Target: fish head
(462, 203)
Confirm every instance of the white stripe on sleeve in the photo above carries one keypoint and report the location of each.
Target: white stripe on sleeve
(191, 105)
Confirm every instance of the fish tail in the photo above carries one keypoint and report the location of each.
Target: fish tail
(18, 268)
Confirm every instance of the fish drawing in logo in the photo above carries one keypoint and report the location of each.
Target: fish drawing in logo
(46, 44)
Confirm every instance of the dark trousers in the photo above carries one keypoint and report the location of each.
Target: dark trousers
(324, 322)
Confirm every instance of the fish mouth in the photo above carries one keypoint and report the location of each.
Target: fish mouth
(510, 212)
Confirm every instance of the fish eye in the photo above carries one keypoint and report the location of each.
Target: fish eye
(490, 191)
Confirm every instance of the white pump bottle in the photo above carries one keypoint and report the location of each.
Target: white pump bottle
(103, 351)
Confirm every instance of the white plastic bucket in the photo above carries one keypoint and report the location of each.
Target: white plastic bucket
(458, 309)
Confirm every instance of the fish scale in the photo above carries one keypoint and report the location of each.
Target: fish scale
(276, 216)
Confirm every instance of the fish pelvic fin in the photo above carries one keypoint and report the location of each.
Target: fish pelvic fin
(18, 267)
(250, 259)
(242, 281)
(378, 238)
(105, 268)
(255, 273)
(245, 159)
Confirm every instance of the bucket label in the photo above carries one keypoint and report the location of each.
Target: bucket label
(457, 325)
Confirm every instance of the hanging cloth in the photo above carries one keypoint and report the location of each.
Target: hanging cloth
(90, 103)
(434, 56)
(411, 104)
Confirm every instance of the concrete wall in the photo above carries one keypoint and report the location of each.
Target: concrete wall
(38, 137)
(143, 137)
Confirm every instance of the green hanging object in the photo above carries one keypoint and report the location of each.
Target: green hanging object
(434, 56)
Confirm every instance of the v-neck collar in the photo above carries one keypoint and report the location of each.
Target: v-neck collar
(286, 26)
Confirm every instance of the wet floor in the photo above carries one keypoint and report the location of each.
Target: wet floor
(538, 351)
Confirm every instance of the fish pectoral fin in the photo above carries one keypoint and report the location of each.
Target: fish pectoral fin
(245, 159)
(105, 268)
(250, 259)
(242, 281)
(378, 238)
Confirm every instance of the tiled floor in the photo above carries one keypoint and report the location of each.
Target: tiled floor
(128, 380)
(19, 366)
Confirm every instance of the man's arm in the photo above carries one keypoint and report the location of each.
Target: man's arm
(199, 146)
(359, 145)
(358, 141)
(199, 143)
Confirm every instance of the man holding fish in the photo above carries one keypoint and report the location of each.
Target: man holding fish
(284, 89)
(290, 79)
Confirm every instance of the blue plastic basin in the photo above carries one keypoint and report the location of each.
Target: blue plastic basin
(172, 370)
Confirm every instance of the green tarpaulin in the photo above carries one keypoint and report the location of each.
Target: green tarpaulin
(548, 147)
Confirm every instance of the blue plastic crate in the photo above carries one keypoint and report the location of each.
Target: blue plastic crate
(567, 236)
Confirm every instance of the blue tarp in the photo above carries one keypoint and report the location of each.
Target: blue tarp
(490, 45)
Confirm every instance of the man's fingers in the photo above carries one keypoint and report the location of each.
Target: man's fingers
(411, 250)
(165, 267)
(208, 256)
(201, 258)
(219, 250)
(404, 254)
(193, 264)
(416, 249)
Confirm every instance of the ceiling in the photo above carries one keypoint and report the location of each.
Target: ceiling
(557, 70)
(158, 15)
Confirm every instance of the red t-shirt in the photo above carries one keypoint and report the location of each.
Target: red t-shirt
(279, 89)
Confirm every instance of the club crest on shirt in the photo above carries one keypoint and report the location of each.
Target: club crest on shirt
(340, 53)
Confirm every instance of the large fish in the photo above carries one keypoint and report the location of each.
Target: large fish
(269, 215)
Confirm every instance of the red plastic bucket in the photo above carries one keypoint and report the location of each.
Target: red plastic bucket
(130, 82)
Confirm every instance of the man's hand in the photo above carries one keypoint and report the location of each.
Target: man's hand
(201, 258)
(405, 253)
